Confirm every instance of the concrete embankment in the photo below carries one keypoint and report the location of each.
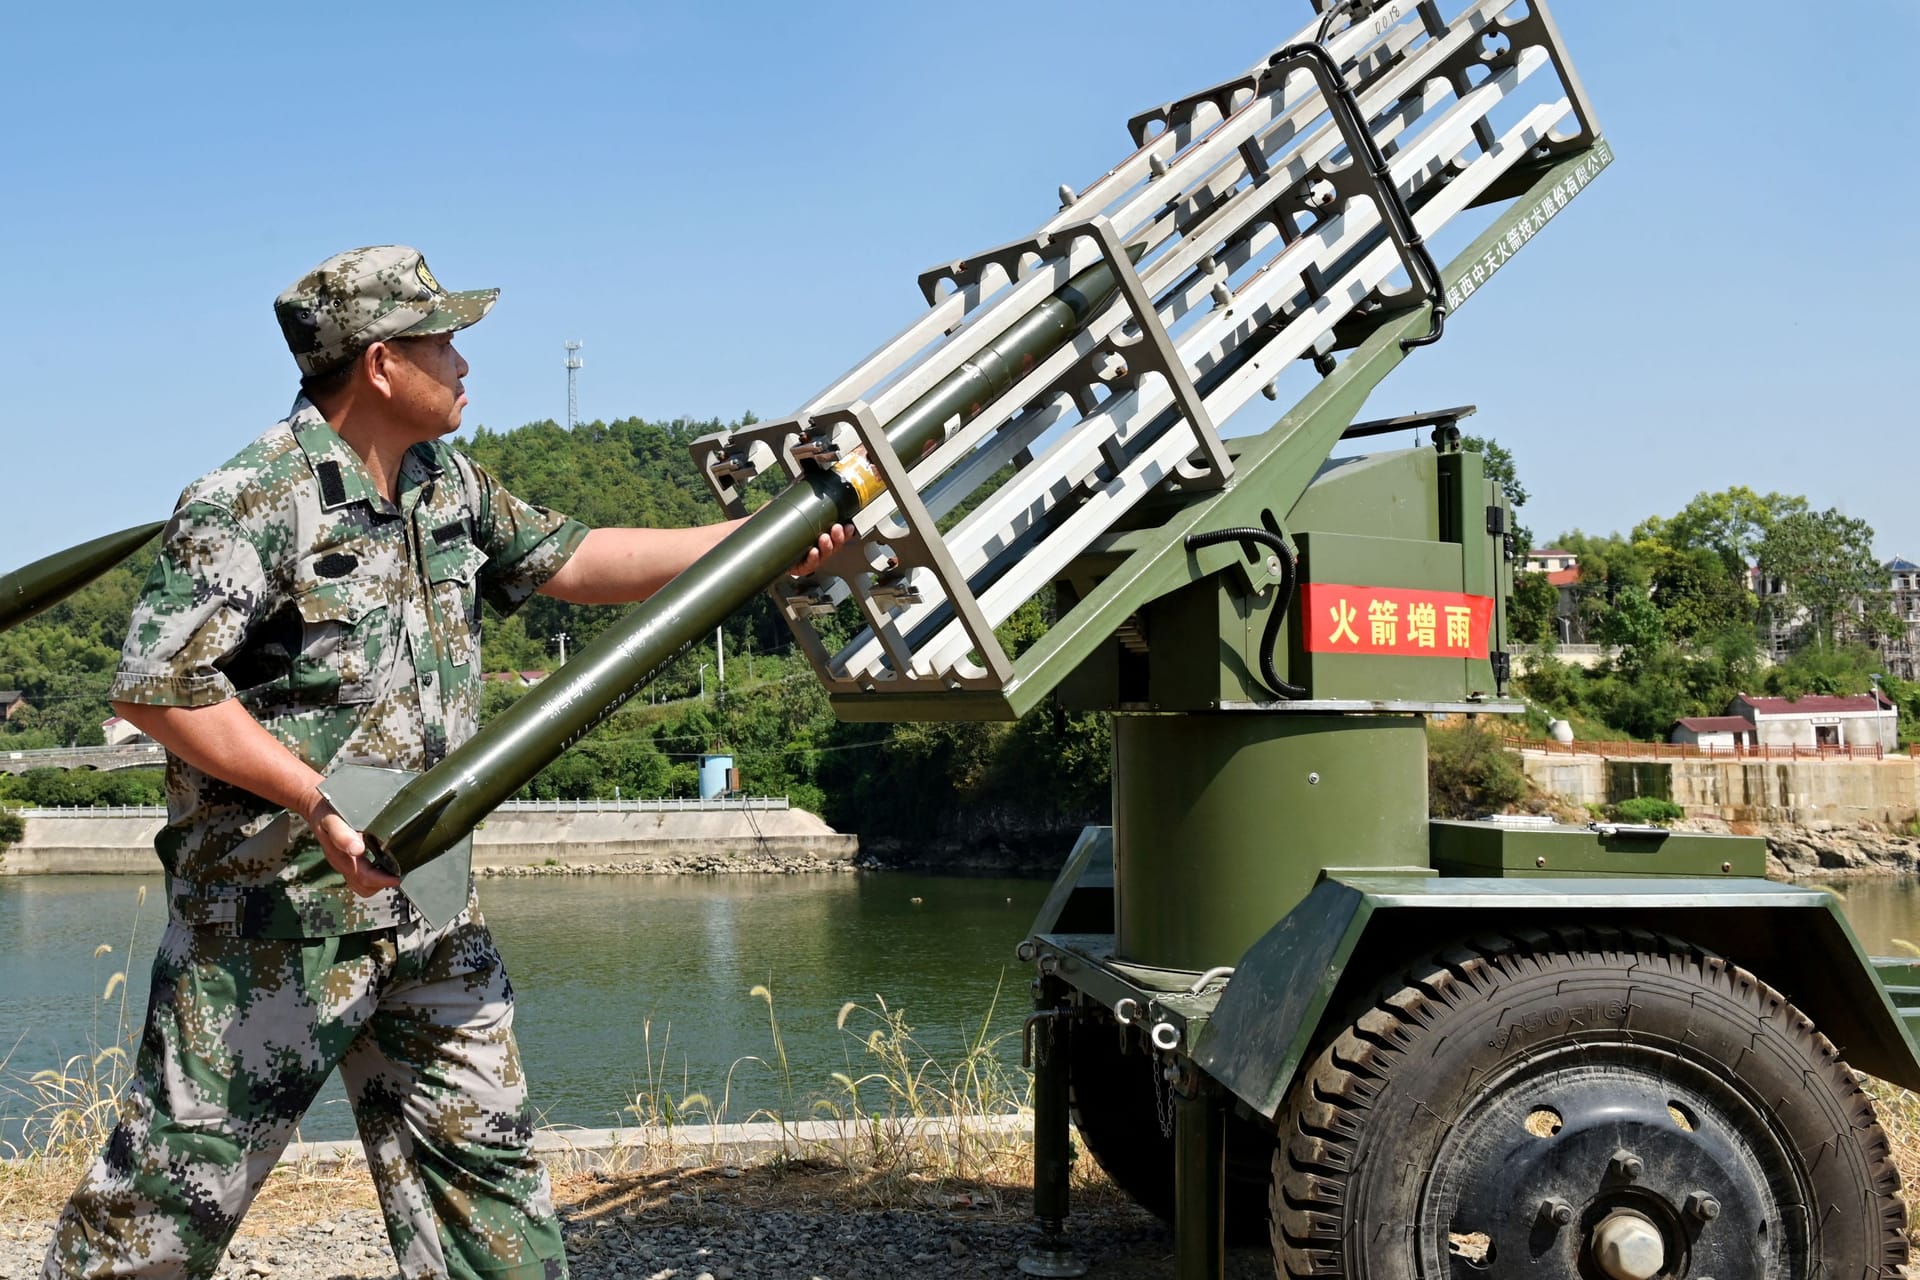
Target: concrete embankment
(1820, 818)
(641, 840)
(1841, 793)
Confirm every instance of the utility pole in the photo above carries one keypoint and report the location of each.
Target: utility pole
(574, 364)
(563, 637)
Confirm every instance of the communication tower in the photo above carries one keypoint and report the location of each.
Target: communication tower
(574, 362)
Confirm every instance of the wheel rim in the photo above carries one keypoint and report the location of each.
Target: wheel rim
(1604, 1160)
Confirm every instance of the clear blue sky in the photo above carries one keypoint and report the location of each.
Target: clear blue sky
(729, 203)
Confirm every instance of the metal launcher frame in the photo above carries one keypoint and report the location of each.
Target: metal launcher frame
(1277, 217)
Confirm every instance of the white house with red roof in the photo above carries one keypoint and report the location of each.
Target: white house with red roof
(1822, 720)
(1725, 732)
(1860, 720)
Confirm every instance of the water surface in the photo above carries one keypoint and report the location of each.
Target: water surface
(638, 984)
(623, 984)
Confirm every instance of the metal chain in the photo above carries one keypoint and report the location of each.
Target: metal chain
(1162, 1095)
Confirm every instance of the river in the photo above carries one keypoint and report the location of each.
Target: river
(630, 985)
(610, 973)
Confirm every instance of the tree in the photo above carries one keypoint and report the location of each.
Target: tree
(506, 646)
(1531, 610)
(1635, 625)
(1845, 669)
(1731, 524)
(1609, 566)
(1829, 581)
(1698, 596)
(1504, 471)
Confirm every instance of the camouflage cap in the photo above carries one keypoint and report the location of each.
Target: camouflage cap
(363, 296)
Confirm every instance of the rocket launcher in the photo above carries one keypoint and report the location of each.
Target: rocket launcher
(1058, 404)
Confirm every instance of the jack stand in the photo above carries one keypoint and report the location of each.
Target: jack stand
(1051, 1254)
(1199, 1182)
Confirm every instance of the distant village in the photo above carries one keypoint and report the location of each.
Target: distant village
(1867, 720)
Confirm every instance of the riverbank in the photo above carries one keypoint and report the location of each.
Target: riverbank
(648, 839)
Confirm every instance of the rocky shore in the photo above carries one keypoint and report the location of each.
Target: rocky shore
(699, 864)
(1795, 852)
(1825, 850)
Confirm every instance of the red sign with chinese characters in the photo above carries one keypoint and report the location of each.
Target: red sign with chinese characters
(1410, 624)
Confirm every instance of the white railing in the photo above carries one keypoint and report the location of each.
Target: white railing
(51, 754)
(96, 811)
(730, 804)
(759, 804)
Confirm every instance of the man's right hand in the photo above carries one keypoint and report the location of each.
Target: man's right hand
(226, 741)
(346, 850)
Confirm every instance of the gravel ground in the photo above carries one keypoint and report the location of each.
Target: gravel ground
(695, 1236)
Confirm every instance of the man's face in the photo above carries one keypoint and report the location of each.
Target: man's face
(427, 392)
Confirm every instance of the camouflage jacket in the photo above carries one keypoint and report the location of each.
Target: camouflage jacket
(347, 624)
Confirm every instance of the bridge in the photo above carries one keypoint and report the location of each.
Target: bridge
(131, 755)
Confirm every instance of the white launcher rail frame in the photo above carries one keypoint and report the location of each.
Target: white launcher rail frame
(1262, 234)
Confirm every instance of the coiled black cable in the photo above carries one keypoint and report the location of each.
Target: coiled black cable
(1289, 578)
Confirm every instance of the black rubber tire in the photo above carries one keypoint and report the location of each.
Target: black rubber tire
(1110, 1090)
(1402, 1134)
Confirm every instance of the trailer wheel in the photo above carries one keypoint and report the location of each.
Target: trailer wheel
(1583, 1105)
(1111, 1091)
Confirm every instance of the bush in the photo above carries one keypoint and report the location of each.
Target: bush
(1649, 810)
(1470, 772)
(62, 788)
(12, 827)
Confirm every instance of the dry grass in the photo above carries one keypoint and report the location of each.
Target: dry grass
(905, 1127)
(68, 1110)
(902, 1118)
(1900, 1115)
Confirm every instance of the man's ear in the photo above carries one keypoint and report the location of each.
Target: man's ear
(377, 363)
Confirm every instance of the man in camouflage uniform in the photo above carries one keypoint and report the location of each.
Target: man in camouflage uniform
(316, 603)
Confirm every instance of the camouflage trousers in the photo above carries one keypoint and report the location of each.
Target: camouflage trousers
(240, 1035)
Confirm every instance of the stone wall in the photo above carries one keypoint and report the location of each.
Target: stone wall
(1846, 793)
(110, 846)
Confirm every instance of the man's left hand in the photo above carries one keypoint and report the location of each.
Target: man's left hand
(829, 542)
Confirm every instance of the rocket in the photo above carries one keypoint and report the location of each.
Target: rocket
(45, 583)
